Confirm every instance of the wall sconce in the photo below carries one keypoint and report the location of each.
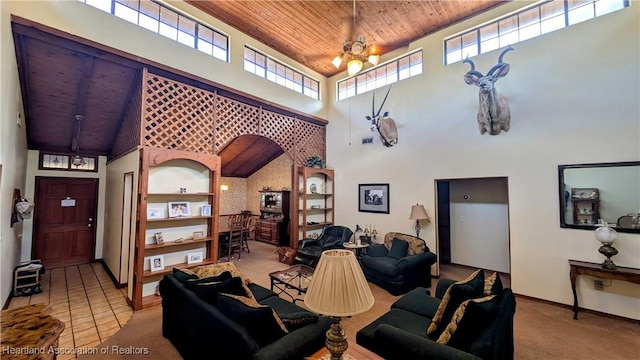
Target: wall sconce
(224, 187)
(418, 213)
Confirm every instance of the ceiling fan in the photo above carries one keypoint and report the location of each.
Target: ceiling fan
(355, 52)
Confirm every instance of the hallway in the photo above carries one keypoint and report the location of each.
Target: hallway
(86, 300)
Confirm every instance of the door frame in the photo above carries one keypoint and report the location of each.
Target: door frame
(95, 210)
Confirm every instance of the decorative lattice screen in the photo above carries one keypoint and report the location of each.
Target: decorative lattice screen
(233, 119)
(177, 116)
(182, 117)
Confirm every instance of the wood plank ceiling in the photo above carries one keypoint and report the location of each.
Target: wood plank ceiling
(312, 32)
(62, 76)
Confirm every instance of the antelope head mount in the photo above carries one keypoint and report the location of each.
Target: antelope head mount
(385, 125)
(493, 111)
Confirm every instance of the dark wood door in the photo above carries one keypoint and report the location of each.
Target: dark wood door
(65, 218)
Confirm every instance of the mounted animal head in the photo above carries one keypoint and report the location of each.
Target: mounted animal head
(493, 110)
(485, 82)
(385, 125)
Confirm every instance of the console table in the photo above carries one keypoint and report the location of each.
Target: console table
(596, 270)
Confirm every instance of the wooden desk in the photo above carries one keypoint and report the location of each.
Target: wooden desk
(354, 351)
(596, 270)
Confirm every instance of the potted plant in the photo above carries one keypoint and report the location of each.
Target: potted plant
(314, 161)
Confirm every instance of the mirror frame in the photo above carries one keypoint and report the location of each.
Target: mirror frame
(561, 169)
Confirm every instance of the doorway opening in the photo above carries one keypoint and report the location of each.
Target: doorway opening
(473, 223)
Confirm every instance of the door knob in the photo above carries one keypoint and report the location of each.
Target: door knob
(89, 225)
(90, 219)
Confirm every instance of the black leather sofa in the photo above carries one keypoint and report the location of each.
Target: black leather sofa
(401, 333)
(399, 272)
(199, 330)
(332, 237)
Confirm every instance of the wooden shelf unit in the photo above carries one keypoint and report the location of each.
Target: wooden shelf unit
(303, 198)
(149, 159)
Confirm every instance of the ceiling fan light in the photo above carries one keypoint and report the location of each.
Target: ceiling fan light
(374, 59)
(354, 66)
(337, 61)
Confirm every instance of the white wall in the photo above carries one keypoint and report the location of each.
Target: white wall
(33, 171)
(569, 88)
(115, 250)
(13, 154)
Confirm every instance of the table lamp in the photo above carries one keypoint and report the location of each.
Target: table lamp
(338, 288)
(418, 213)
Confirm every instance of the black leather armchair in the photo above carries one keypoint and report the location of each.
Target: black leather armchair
(332, 237)
(398, 273)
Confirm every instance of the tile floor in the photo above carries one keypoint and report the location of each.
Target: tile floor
(86, 300)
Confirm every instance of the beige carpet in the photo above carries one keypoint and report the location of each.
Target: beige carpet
(541, 330)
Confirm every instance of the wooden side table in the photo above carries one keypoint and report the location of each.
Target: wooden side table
(354, 352)
(596, 270)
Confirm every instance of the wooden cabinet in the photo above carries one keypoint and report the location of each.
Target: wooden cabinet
(273, 225)
(314, 200)
(586, 205)
(170, 180)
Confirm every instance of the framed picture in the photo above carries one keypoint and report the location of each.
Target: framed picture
(159, 238)
(198, 235)
(194, 257)
(155, 213)
(373, 198)
(179, 209)
(205, 210)
(157, 263)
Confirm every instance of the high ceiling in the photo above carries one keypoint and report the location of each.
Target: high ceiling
(312, 32)
(62, 75)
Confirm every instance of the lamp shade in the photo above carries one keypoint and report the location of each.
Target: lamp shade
(354, 66)
(337, 61)
(374, 59)
(418, 213)
(338, 287)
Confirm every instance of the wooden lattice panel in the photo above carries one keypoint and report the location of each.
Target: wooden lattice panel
(279, 128)
(310, 140)
(128, 137)
(233, 119)
(177, 116)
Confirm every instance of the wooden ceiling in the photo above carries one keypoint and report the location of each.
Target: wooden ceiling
(312, 32)
(62, 75)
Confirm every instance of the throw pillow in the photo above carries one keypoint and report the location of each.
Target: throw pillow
(493, 285)
(217, 269)
(469, 321)
(184, 274)
(296, 320)
(469, 288)
(262, 322)
(212, 279)
(209, 291)
(398, 249)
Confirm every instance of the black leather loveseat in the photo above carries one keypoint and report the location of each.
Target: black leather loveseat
(484, 330)
(401, 264)
(200, 330)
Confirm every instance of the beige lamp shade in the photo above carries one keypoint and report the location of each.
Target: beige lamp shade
(338, 287)
(418, 213)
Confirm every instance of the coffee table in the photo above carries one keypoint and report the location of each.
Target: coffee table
(354, 352)
(297, 277)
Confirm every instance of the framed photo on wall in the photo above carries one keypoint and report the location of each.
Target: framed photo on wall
(179, 209)
(373, 198)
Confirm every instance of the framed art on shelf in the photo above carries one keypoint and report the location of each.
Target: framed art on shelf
(159, 238)
(194, 257)
(198, 235)
(179, 209)
(205, 210)
(155, 213)
(157, 263)
(373, 198)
